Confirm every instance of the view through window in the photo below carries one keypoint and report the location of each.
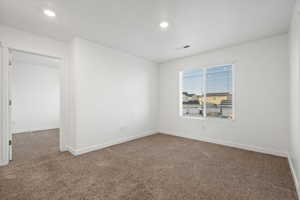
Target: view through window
(207, 92)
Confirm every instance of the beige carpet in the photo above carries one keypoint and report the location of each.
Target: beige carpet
(159, 167)
(35, 145)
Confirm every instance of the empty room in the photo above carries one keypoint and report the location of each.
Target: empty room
(150, 100)
(34, 94)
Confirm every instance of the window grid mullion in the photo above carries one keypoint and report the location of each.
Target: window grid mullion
(204, 92)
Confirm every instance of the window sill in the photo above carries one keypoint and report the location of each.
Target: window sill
(190, 117)
(206, 118)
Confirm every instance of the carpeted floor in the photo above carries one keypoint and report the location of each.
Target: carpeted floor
(158, 167)
(34, 145)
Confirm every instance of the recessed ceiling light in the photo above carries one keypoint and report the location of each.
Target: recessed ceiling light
(164, 24)
(49, 13)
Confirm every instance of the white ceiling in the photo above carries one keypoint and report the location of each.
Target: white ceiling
(33, 59)
(133, 25)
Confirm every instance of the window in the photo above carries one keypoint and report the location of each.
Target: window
(207, 92)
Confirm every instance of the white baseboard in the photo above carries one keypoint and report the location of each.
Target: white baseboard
(3, 163)
(34, 130)
(80, 151)
(71, 150)
(230, 144)
(296, 180)
(64, 149)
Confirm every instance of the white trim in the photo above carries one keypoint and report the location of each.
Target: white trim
(204, 68)
(204, 90)
(192, 117)
(233, 92)
(4, 158)
(64, 98)
(230, 144)
(180, 93)
(293, 170)
(33, 130)
(91, 148)
(71, 150)
(3, 163)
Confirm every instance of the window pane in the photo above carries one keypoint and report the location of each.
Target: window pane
(219, 92)
(192, 93)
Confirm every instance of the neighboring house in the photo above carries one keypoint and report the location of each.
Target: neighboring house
(216, 98)
(189, 97)
(211, 98)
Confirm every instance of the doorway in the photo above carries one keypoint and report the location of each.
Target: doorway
(34, 106)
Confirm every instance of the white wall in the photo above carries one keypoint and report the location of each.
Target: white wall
(25, 41)
(13, 38)
(111, 96)
(36, 98)
(116, 96)
(294, 95)
(262, 97)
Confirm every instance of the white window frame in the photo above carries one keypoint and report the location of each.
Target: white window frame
(204, 90)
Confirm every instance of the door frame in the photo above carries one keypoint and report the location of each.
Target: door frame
(4, 94)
